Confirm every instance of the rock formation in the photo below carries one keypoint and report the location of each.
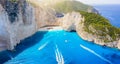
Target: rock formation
(70, 20)
(74, 21)
(4, 38)
(18, 22)
(20, 19)
(94, 38)
(44, 16)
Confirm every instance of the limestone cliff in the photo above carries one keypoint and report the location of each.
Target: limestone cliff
(22, 18)
(18, 22)
(70, 20)
(76, 21)
(4, 38)
(44, 14)
(99, 30)
(96, 38)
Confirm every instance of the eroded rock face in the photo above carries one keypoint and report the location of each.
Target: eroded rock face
(22, 24)
(75, 22)
(94, 38)
(45, 16)
(70, 21)
(21, 19)
(4, 34)
(87, 36)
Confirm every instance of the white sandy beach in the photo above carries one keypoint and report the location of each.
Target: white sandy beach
(50, 28)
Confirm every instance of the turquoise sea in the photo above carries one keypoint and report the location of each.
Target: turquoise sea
(61, 47)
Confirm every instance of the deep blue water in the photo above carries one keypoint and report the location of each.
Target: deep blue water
(111, 12)
(60, 47)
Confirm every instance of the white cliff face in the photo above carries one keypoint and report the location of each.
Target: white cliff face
(4, 35)
(70, 20)
(27, 20)
(3, 30)
(87, 36)
(44, 16)
(20, 29)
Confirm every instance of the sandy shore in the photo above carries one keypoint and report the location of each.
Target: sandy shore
(50, 28)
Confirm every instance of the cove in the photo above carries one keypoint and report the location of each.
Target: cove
(61, 47)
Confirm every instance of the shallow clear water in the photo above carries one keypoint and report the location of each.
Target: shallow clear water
(111, 12)
(60, 47)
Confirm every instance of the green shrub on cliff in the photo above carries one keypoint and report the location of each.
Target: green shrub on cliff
(94, 23)
(101, 26)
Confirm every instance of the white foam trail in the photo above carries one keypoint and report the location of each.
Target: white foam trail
(41, 47)
(96, 54)
(59, 56)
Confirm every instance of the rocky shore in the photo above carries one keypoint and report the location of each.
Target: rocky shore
(75, 21)
(94, 38)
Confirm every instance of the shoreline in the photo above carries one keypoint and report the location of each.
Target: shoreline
(50, 28)
(56, 28)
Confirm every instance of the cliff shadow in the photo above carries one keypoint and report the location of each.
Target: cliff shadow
(24, 44)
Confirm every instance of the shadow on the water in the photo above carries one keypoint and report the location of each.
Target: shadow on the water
(24, 44)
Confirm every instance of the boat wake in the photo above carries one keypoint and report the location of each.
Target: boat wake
(96, 54)
(59, 57)
(44, 45)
